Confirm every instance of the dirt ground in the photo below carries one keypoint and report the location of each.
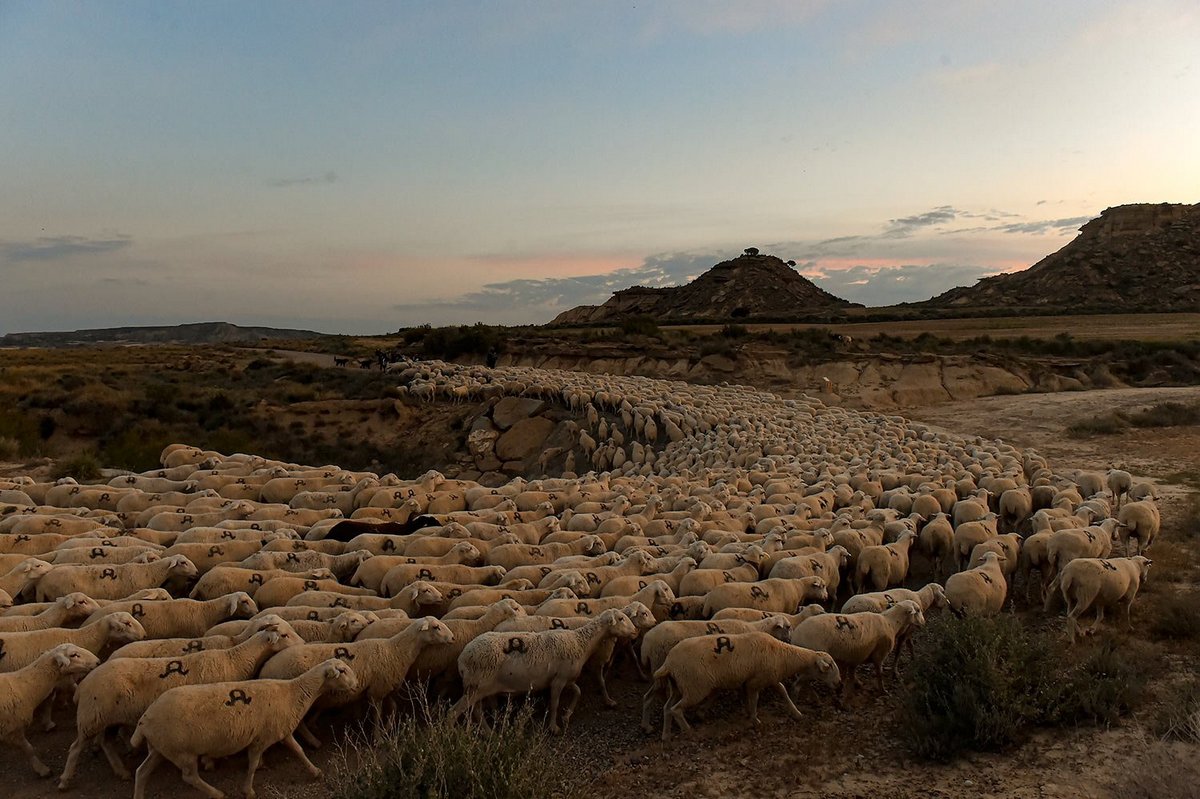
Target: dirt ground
(832, 754)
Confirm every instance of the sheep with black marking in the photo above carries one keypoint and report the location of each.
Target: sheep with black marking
(522, 662)
(777, 595)
(1139, 520)
(113, 582)
(119, 691)
(342, 565)
(181, 618)
(751, 661)
(219, 637)
(859, 638)
(657, 596)
(24, 576)
(1098, 584)
(23, 690)
(21, 649)
(228, 717)
(66, 611)
(416, 600)
(980, 591)
(226, 579)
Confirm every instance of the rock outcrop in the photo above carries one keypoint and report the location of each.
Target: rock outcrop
(1143, 257)
(748, 287)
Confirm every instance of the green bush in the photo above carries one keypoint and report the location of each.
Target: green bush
(1107, 424)
(983, 684)
(1177, 617)
(425, 755)
(1166, 414)
(84, 467)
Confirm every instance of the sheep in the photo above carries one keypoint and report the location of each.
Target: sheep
(6, 601)
(112, 582)
(1140, 520)
(1065, 546)
(24, 576)
(778, 595)
(929, 597)
(936, 539)
(827, 565)
(228, 579)
(119, 691)
(23, 690)
(881, 566)
(1098, 583)
(750, 661)
(438, 662)
(278, 591)
(1119, 483)
(968, 534)
(488, 596)
(749, 614)
(978, 591)
(342, 565)
(700, 581)
(34, 608)
(66, 611)
(400, 576)
(657, 596)
(1008, 545)
(860, 637)
(1035, 555)
(629, 584)
(181, 618)
(382, 664)
(103, 555)
(658, 642)
(344, 627)
(232, 716)
(21, 649)
(415, 599)
(215, 638)
(513, 662)
(510, 556)
(208, 555)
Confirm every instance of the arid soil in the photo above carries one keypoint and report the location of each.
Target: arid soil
(833, 754)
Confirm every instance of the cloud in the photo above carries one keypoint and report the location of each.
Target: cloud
(906, 225)
(51, 248)
(304, 180)
(888, 285)
(1045, 225)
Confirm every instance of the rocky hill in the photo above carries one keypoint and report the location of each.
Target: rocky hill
(1143, 257)
(197, 333)
(751, 286)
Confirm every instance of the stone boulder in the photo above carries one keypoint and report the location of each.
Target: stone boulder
(525, 438)
(510, 410)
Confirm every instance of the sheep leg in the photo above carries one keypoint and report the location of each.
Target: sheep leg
(752, 704)
(291, 743)
(1099, 618)
(191, 775)
(19, 740)
(47, 712)
(308, 736)
(253, 759)
(879, 673)
(73, 754)
(793, 711)
(575, 694)
(556, 689)
(153, 760)
(114, 757)
(648, 703)
(608, 700)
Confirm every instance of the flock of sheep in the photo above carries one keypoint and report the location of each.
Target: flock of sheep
(725, 539)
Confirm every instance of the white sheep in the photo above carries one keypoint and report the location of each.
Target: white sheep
(21, 649)
(181, 618)
(113, 582)
(22, 691)
(777, 595)
(750, 661)
(879, 567)
(1119, 483)
(382, 664)
(228, 717)
(1099, 583)
(860, 637)
(978, 591)
(514, 662)
(66, 611)
(24, 576)
(173, 647)
(1140, 520)
(119, 691)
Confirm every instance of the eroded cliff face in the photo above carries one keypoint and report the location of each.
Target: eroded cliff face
(1143, 257)
(876, 382)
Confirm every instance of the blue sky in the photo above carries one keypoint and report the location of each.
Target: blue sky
(357, 167)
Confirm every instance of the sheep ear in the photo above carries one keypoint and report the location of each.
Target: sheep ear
(62, 660)
(823, 664)
(425, 625)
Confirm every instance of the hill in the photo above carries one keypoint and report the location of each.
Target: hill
(1141, 257)
(751, 286)
(196, 333)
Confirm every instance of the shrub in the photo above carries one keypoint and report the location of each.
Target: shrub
(985, 683)
(425, 755)
(1114, 422)
(1177, 617)
(734, 331)
(1179, 713)
(639, 326)
(1166, 414)
(83, 467)
(10, 449)
(448, 343)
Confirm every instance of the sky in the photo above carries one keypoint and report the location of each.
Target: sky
(358, 167)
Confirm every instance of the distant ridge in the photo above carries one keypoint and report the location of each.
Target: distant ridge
(751, 286)
(195, 333)
(1138, 257)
